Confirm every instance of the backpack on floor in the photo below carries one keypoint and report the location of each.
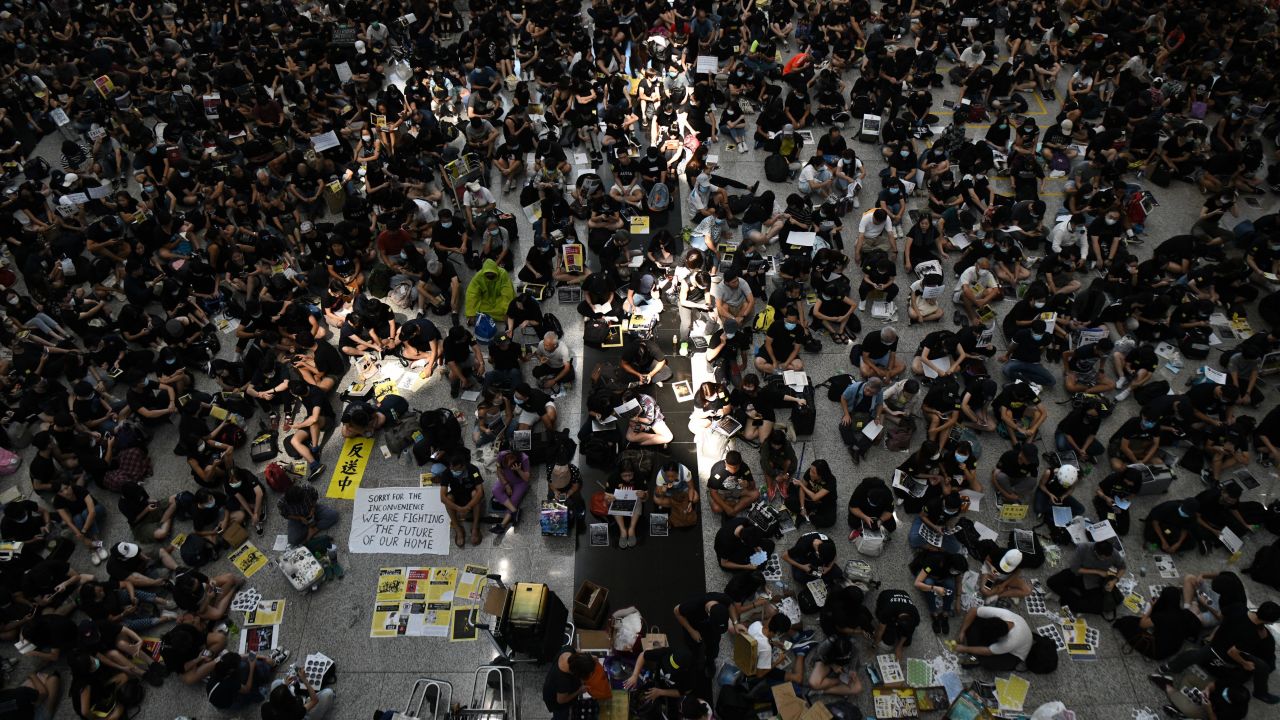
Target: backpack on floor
(836, 385)
(552, 323)
(659, 197)
(776, 168)
(899, 438)
(1042, 659)
(276, 477)
(1151, 391)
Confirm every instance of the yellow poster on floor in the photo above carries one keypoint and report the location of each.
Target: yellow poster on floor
(349, 468)
(471, 582)
(387, 618)
(248, 559)
(440, 587)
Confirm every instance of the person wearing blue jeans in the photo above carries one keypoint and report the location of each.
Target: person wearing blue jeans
(300, 505)
(939, 513)
(937, 574)
(1055, 490)
(1022, 359)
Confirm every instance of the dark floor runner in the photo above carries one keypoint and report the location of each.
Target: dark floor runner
(660, 572)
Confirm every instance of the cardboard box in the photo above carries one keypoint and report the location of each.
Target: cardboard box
(594, 642)
(590, 604)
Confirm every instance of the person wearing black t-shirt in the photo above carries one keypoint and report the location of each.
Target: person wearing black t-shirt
(1078, 431)
(897, 618)
(1016, 469)
(737, 541)
(317, 415)
(705, 618)
(1170, 525)
(782, 343)
(461, 492)
(813, 557)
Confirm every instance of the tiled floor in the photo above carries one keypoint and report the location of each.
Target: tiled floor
(379, 673)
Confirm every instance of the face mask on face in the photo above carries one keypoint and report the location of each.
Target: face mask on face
(1111, 221)
(1037, 336)
(789, 325)
(1148, 425)
(149, 188)
(459, 473)
(1037, 305)
(446, 224)
(904, 153)
(961, 458)
(893, 191)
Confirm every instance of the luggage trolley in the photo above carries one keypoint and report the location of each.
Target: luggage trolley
(458, 173)
(493, 695)
(437, 695)
(527, 618)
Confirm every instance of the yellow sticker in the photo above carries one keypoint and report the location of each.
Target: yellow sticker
(248, 559)
(1013, 512)
(348, 470)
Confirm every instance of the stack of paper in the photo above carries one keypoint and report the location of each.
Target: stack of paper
(1011, 692)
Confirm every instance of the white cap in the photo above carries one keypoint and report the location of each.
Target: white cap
(473, 186)
(1067, 475)
(69, 179)
(360, 47)
(307, 226)
(788, 129)
(1011, 560)
(127, 550)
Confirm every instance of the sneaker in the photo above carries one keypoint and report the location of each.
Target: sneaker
(1122, 382)
(968, 661)
(742, 148)
(802, 636)
(1058, 174)
(802, 646)
(946, 625)
(1123, 395)
(937, 625)
(317, 467)
(279, 656)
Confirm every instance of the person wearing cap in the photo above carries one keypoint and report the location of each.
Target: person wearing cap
(1170, 525)
(128, 566)
(813, 557)
(705, 618)
(643, 297)
(995, 638)
(704, 198)
(1000, 577)
(1244, 644)
(477, 204)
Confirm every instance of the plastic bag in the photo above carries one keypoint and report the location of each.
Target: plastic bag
(627, 626)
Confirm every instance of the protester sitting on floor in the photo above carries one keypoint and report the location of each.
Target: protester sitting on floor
(625, 478)
(1162, 628)
(300, 505)
(1243, 644)
(997, 639)
(835, 667)
(811, 496)
(1089, 584)
(896, 620)
(813, 557)
(1000, 577)
(937, 578)
(731, 486)
(462, 492)
(871, 506)
(1170, 524)
(738, 542)
(364, 419)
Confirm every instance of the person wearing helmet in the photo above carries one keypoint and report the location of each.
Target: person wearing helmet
(1000, 577)
(1055, 490)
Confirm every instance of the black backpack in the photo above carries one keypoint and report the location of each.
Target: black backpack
(1043, 657)
(1150, 391)
(598, 452)
(552, 323)
(776, 168)
(836, 385)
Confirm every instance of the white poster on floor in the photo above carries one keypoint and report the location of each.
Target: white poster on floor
(399, 521)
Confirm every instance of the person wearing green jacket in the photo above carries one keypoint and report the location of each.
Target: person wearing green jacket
(489, 292)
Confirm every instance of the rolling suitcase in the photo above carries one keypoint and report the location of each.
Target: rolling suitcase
(536, 621)
(805, 417)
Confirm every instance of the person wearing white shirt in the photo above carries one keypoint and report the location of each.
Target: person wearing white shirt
(875, 232)
(815, 180)
(997, 638)
(477, 200)
(973, 56)
(977, 289)
(1071, 231)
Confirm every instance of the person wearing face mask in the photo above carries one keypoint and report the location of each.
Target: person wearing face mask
(782, 342)
(1209, 225)
(1137, 441)
(1022, 359)
(1070, 232)
(1104, 234)
(960, 465)
(1084, 368)
(892, 199)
